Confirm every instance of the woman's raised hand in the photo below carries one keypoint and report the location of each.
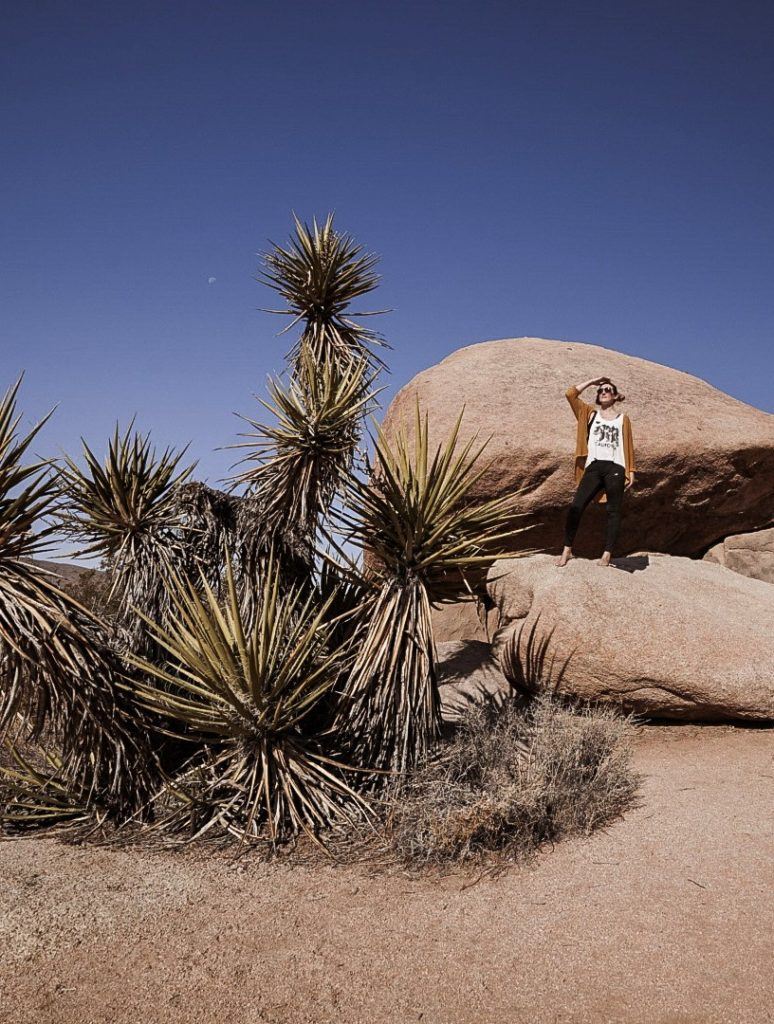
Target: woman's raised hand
(593, 381)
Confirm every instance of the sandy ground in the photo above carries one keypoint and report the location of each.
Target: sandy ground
(664, 918)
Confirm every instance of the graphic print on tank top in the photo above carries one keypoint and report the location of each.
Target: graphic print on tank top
(606, 441)
(606, 435)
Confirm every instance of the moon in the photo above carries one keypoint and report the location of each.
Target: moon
(211, 280)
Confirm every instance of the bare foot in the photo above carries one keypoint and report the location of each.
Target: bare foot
(605, 559)
(564, 558)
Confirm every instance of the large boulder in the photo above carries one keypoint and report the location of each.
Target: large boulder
(705, 461)
(464, 620)
(665, 636)
(467, 674)
(751, 554)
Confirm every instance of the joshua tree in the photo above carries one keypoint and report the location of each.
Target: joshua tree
(261, 654)
(59, 681)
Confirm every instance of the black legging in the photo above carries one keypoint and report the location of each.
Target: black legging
(598, 474)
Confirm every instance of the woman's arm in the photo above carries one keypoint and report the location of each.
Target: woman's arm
(594, 380)
(572, 393)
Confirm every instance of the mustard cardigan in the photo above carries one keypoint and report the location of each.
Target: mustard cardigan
(583, 413)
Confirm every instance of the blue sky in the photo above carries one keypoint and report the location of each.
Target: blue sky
(597, 172)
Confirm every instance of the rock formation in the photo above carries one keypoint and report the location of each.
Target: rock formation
(704, 460)
(468, 672)
(751, 554)
(665, 636)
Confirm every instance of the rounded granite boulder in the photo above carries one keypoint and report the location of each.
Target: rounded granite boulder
(704, 460)
(661, 635)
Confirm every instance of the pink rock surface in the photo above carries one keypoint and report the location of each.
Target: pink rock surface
(671, 637)
(751, 554)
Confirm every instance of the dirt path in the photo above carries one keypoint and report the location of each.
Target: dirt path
(664, 919)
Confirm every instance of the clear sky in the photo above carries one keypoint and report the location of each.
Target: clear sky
(599, 172)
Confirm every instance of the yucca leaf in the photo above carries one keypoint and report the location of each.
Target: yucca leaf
(298, 463)
(127, 511)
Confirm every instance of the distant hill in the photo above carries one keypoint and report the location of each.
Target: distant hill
(68, 572)
(86, 584)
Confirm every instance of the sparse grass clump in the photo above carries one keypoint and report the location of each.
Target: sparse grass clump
(511, 780)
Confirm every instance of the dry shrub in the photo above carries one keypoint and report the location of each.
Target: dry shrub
(512, 779)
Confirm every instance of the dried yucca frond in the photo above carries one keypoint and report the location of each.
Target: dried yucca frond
(34, 793)
(56, 670)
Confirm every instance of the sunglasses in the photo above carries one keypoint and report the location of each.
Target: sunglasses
(604, 389)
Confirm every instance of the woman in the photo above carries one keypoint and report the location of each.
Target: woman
(604, 461)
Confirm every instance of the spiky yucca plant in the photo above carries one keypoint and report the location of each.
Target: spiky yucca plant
(127, 511)
(423, 535)
(299, 462)
(247, 691)
(59, 681)
(320, 274)
(240, 643)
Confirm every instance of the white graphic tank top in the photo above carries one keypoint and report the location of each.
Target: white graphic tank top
(606, 440)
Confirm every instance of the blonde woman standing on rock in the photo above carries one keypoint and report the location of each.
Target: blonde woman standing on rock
(604, 461)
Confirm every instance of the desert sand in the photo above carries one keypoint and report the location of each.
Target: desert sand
(664, 918)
